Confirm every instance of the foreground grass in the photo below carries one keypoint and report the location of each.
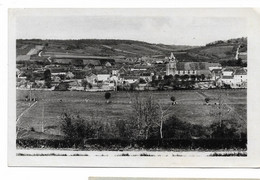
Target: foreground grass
(93, 106)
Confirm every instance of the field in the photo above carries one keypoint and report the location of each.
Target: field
(46, 112)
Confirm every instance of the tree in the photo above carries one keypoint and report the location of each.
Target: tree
(47, 75)
(47, 78)
(186, 77)
(202, 77)
(207, 100)
(148, 115)
(173, 99)
(198, 77)
(163, 114)
(220, 110)
(153, 78)
(85, 83)
(239, 62)
(145, 116)
(193, 77)
(176, 77)
(142, 81)
(107, 96)
(76, 129)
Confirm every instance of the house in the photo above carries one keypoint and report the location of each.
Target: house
(115, 72)
(240, 76)
(216, 74)
(55, 78)
(122, 70)
(212, 66)
(40, 83)
(75, 86)
(146, 76)
(227, 72)
(159, 62)
(18, 72)
(91, 78)
(227, 80)
(107, 64)
(98, 68)
(103, 77)
(139, 68)
(70, 75)
(130, 79)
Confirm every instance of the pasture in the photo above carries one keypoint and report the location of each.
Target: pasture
(190, 107)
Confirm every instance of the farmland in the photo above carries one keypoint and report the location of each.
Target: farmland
(190, 107)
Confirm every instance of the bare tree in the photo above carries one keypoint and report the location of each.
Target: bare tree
(163, 114)
(148, 114)
(145, 117)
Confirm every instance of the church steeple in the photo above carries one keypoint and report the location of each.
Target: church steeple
(171, 65)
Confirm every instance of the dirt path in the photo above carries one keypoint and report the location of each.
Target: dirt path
(25, 111)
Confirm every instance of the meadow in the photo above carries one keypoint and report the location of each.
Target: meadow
(190, 107)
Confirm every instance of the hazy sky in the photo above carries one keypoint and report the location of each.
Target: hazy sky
(166, 30)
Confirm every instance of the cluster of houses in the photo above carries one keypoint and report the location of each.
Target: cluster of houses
(96, 75)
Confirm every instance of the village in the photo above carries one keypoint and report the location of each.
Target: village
(42, 70)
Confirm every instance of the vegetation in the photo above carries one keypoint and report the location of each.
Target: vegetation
(107, 96)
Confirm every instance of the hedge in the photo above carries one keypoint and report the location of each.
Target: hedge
(120, 144)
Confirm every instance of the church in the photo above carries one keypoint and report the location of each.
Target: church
(173, 67)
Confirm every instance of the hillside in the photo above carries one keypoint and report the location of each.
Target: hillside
(97, 47)
(211, 52)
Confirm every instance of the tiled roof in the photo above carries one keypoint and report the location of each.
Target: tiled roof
(240, 72)
(227, 77)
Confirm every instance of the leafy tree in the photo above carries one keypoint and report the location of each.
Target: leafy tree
(47, 75)
(142, 81)
(107, 96)
(173, 99)
(239, 62)
(207, 99)
(85, 83)
(193, 77)
(202, 77)
(47, 78)
(171, 77)
(76, 129)
(198, 77)
(186, 77)
(153, 78)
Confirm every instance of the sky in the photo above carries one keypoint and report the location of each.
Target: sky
(152, 29)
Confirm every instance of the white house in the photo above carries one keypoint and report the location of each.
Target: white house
(227, 72)
(103, 77)
(130, 79)
(240, 76)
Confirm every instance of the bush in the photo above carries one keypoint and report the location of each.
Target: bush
(107, 95)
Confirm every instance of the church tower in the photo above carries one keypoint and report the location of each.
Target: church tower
(171, 65)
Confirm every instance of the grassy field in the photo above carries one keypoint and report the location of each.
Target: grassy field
(190, 106)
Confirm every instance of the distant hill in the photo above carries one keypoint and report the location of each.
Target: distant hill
(98, 47)
(211, 52)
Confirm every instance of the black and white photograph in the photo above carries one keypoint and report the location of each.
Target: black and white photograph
(145, 84)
